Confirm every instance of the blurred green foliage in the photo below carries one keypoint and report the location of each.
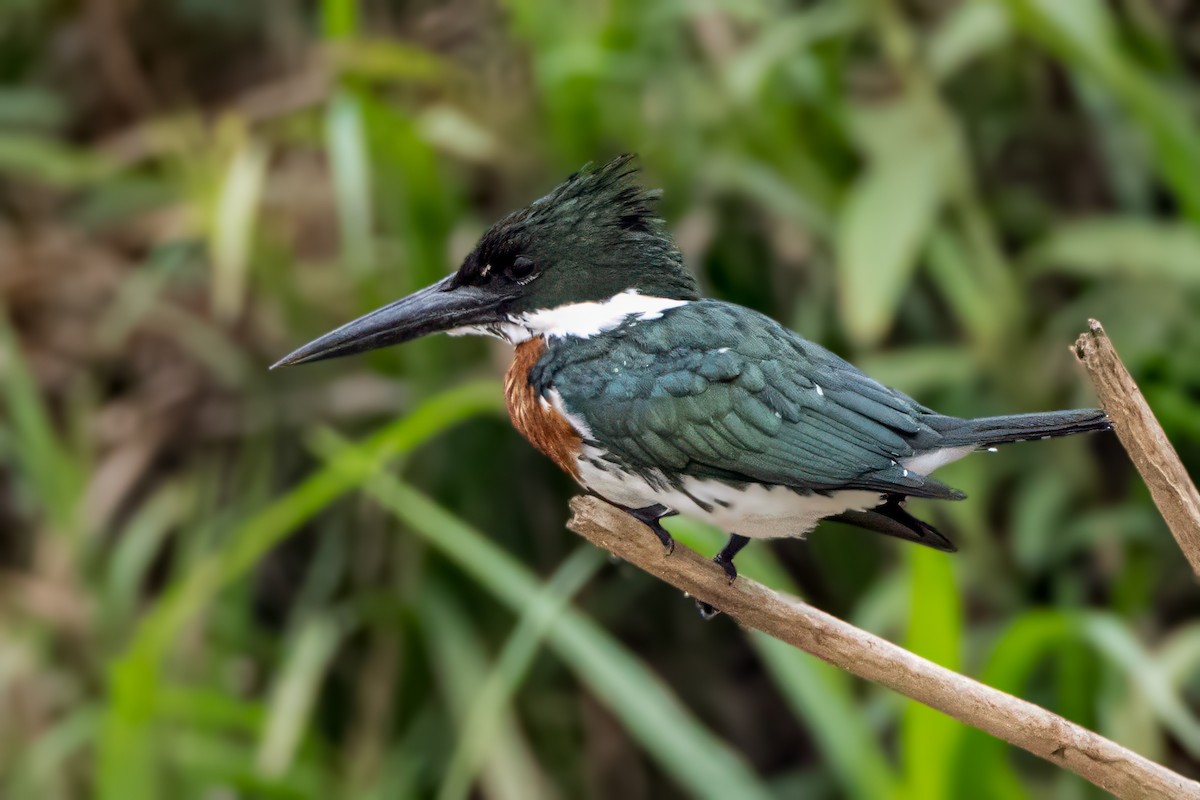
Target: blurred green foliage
(352, 580)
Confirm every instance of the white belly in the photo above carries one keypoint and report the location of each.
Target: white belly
(756, 511)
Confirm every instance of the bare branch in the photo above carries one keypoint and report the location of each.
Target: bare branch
(1059, 741)
(1144, 440)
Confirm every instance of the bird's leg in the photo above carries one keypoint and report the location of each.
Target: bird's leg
(724, 560)
(650, 516)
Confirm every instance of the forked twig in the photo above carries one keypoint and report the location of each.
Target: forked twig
(1144, 440)
(752, 605)
(1030, 727)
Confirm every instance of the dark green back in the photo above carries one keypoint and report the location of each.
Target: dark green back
(714, 390)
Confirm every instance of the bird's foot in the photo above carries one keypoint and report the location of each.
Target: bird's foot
(724, 560)
(707, 612)
(650, 516)
(668, 543)
(727, 566)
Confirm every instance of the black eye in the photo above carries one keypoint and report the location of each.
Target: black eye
(520, 269)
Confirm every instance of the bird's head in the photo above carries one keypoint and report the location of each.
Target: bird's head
(594, 238)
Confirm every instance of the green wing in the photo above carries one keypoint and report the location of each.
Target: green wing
(713, 390)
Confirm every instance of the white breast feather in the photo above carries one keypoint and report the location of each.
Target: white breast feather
(757, 510)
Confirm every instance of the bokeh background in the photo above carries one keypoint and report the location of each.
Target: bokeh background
(352, 579)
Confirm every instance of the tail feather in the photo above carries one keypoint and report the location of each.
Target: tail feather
(891, 519)
(986, 431)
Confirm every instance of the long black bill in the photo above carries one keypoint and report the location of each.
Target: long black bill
(436, 308)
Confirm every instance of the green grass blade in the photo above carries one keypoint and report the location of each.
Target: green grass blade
(54, 474)
(1111, 638)
(207, 761)
(1083, 33)
(1179, 655)
(694, 757)
(1108, 247)
(125, 764)
(211, 709)
(295, 693)
(929, 737)
(509, 771)
(968, 32)
(42, 160)
(43, 767)
(889, 212)
(1028, 641)
(492, 700)
(350, 164)
(965, 290)
(982, 761)
(233, 228)
(824, 701)
(820, 695)
(133, 554)
(339, 19)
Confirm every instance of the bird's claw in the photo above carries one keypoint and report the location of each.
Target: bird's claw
(668, 542)
(729, 569)
(650, 517)
(707, 612)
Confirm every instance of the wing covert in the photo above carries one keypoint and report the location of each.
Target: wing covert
(716, 391)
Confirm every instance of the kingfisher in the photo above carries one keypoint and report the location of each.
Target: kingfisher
(662, 402)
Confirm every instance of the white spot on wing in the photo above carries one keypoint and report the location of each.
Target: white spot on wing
(820, 391)
(925, 463)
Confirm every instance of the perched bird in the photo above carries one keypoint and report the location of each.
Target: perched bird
(662, 402)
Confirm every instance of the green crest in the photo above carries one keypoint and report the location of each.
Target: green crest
(594, 236)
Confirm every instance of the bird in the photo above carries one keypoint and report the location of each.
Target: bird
(663, 402)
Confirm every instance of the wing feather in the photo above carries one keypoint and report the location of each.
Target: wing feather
(716, 390)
